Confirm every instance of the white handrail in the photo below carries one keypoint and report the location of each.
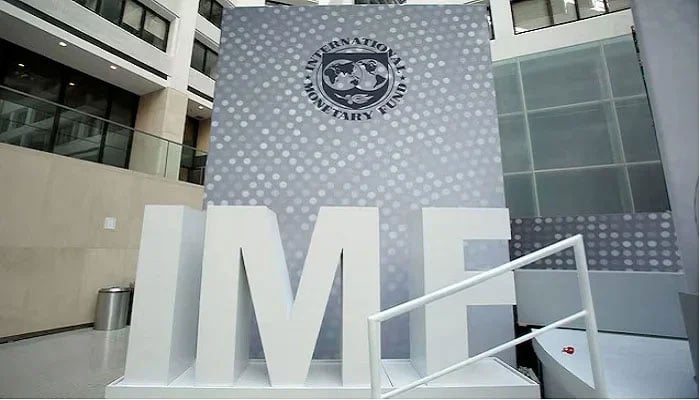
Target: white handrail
(588, 313)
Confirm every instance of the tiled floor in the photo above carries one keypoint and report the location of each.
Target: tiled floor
(76, 364)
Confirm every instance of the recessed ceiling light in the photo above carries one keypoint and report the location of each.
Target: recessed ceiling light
(62, 44)
(71, 84)
(200, 107)
(20, 65)
(113, 67)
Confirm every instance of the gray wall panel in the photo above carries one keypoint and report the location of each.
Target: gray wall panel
(632, 302)
(668, 44)
(620, 242)
(271, 145)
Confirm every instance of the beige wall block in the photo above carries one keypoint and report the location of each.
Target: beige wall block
(45, 294)
(103, 268)
(54, 252)
(162, 113)
(22, 199)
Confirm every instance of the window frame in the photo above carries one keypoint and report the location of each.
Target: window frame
(209, 16)
(207, 50)
(139, 33)
(550, 15)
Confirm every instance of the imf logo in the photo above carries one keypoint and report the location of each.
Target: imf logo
(352, 78)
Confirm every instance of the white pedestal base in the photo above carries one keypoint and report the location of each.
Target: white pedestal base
(489, 378)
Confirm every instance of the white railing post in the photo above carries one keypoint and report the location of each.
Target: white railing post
(591, 325)
(375, 357)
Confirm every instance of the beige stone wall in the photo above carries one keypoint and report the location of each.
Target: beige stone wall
(54, 252)
(162, 114)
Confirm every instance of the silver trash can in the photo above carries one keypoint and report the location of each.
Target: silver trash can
(112, 308)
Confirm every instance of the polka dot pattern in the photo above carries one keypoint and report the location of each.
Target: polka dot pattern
(440, 147)
(615, 242)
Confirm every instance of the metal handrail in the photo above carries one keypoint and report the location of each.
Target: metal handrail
(588, 312)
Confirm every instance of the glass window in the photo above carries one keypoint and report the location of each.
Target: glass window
(116, 147)
(216, 13)
(87, 94)
(583, 191)
(616, 5)
(530, 14)
(590, 8)
(562, 11)
(536, 14)
(78, 136)
(155, 30)
(205, 8)
(212, 11)
(593, 146)
(623, 66)
(648, 187)
(133, 15)
(572, 137)
(210, 64)
(25, 121)
(111, 10)
(637, 130)
(204, 60)
(507, 84)
(520, 195)
(515, 151)
(189, 137)
(579, 70)
(123, 107)
(197, 61)
(91, 4)
(31, 73)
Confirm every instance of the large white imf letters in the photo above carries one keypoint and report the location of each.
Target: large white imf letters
(239, 258)
(245, 242)
(439, 336)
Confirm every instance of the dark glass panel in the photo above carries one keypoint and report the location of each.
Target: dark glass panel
(216, 13)
(25, 121)
(123, 108)
(205, 8)
(210, 64)
(648, 187)
(31, 73)
(111, 10)
(78, 136)
(116, 150)
(197, 61)
(87, 94)
(189, 137)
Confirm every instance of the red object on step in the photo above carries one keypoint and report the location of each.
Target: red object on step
(568, 350)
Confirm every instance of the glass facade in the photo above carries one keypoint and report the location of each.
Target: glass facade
(204, 60)
(30, 122)
(134, 17)
(212, 11)
(577, 136)
(193, 161)
(535, 14)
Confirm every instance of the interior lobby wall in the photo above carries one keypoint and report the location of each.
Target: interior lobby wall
(54, 251)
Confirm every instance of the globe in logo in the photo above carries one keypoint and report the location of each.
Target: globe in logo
(354, 77)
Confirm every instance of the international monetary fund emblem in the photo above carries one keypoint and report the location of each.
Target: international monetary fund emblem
(353, 78)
